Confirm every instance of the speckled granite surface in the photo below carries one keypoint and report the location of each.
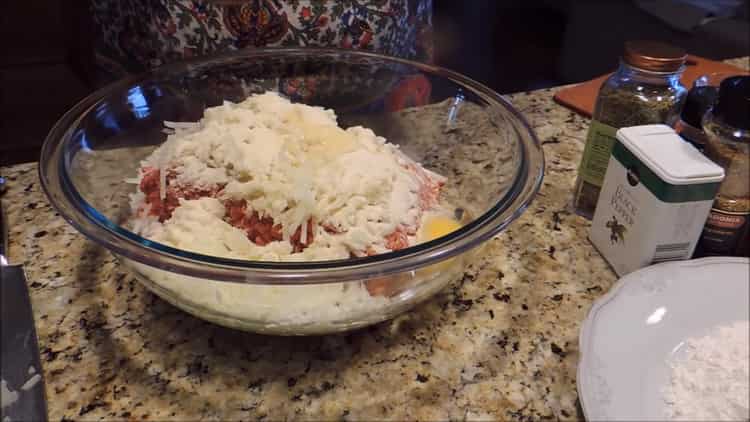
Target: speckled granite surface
(500, 343)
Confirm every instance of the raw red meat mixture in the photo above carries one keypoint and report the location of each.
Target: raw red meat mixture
(260, 230)
(263, 230)
(164, 208)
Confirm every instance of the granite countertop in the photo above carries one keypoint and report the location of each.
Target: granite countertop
(500, 343)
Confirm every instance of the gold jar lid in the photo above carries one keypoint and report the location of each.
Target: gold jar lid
(654, 56)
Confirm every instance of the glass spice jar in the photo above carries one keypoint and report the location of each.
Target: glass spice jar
(700, 98)
(645, 89)
(727, 129)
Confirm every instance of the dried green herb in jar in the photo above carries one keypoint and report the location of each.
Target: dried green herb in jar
(644, 90)
(624, 109)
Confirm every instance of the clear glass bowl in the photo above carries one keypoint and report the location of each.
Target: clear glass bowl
(449, 123)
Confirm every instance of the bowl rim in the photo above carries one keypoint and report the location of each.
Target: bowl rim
(87, 220)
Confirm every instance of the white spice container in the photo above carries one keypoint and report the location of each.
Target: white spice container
(657, 193)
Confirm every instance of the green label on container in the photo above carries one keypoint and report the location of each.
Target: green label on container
(640, 173)
(599, 142)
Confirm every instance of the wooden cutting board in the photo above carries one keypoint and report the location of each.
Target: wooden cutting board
(582, 97)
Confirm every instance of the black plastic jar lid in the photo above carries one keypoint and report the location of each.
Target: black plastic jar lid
(733, 104)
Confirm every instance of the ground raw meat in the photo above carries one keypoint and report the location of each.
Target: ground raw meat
(263, 230)
(260, 230)
(163, 208)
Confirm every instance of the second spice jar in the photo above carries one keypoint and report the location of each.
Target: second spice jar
(727, 128)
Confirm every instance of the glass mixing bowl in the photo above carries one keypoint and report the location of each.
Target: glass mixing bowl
(449, 123)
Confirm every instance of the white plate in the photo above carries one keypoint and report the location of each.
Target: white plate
(631, 332)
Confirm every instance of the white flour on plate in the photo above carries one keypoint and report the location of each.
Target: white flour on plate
(710, 381)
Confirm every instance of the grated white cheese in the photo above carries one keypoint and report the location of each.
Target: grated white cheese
(291, 162)
(711, 381)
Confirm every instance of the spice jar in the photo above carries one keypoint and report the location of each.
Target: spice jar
(645, 89)
(700, 98)
(727, 129)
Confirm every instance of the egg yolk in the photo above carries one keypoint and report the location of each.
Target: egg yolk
(438, 226)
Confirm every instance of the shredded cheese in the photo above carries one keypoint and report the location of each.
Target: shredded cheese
(293, 163)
